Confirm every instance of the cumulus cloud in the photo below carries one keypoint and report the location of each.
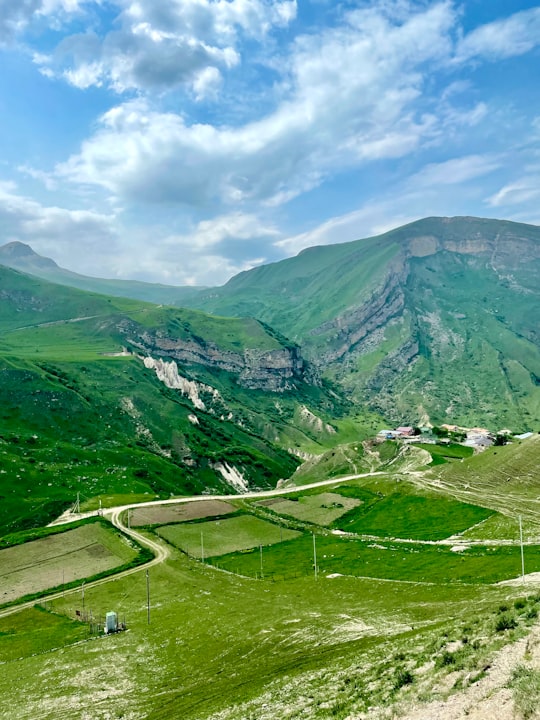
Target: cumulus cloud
(16, 15)
(350, 95)
(161, 44)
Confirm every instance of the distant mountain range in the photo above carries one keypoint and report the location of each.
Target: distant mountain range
(434, 321)
(19, 256)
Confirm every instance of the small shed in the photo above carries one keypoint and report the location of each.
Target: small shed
(111, 622)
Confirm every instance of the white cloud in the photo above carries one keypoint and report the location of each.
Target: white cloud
(349, 95)
(75, 233)
(456, 170)
(161, 44)
(508, 37)
(233, 227)
(517, 193)
(16, 15)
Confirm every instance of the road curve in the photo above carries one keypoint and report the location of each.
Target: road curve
(161, 550)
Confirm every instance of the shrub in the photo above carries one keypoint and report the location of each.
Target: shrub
(403, 677)
(505, 622)
(520, 603)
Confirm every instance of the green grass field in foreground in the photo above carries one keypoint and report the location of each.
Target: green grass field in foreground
(224, 536)
(415, 517)
(410, 562)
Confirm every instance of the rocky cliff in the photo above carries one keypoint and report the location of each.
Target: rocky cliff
(276, 370)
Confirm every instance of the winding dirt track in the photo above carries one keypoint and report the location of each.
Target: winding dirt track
(160, 549)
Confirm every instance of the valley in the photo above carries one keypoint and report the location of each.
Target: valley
(226, 485)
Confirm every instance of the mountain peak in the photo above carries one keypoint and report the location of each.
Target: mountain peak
(22, 257)
(17, 249)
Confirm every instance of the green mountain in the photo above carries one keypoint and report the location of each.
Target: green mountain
(111, 397)
(434, 320)
(20, 256)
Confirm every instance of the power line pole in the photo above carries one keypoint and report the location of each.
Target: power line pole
(315, 556)
(262, 573)
(148, 596)
(522, 556)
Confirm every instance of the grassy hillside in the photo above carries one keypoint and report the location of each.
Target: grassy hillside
(436, 319)
(386, 621)
(78, 414)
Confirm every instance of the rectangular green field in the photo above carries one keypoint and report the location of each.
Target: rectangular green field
(411, 517)
(321, 509)
(412, 562)
(220, 537)
(61, 558)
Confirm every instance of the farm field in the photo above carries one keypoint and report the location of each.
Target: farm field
(410, 516)
(163, 514)
(322, 508)
(60, 559)
(409, 562)
(385, 622)
(224, 536)
(317, 646)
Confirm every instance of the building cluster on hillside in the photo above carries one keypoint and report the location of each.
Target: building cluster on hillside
(476, 437)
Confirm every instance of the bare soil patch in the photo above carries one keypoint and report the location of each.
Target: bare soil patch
(165, 514)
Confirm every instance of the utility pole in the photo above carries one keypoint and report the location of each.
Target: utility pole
(100, 510)
(148, 596)
(315, 556)
(262, 573)
(202, 547)
(522, 556)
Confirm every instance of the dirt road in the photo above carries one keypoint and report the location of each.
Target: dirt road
(160, 549)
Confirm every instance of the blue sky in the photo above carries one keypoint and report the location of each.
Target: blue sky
(182, 141)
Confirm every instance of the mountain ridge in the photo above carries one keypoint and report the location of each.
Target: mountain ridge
(432, 320)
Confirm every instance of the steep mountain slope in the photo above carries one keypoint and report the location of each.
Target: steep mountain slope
(435, 319)
(20, 256)
(108, 396)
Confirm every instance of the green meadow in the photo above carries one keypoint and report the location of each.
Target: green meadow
(409, 562)
(222, 536)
